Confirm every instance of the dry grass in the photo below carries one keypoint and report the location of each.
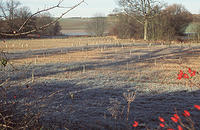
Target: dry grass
(31, 44)
(67, 57)
(161, 68)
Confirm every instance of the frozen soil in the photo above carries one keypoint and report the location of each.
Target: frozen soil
(90, 95)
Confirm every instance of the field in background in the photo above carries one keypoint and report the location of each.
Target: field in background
(74, 23)
(70, 25)
(98, 70)
(32, 44)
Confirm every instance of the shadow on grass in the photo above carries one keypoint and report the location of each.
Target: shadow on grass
(89, 107)
(60, 68)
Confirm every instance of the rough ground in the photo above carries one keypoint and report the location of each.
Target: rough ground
(84, 94)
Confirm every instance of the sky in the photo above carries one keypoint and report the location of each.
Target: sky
(92, 7)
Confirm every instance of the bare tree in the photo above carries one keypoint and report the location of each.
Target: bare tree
(126, 27)
(142, 10)
(179, 17)
(43, 19)
(97, 25)
(20, 31)
(8, 13)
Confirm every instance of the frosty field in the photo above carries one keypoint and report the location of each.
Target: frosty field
(78, 83)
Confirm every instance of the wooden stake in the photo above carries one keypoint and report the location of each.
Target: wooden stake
(33, 76)
(35, 61)
(83, 68)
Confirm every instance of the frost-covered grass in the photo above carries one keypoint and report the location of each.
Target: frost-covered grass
(83, 88)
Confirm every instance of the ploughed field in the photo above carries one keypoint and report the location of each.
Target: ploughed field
(79, 83)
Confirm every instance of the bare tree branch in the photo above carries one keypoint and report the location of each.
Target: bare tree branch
(3, 11)
(18, 33)
(38, 12)
(128, 14)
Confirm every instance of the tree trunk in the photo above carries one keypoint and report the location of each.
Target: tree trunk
(145, 29)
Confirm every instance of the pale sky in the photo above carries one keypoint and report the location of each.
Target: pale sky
(97, 6)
